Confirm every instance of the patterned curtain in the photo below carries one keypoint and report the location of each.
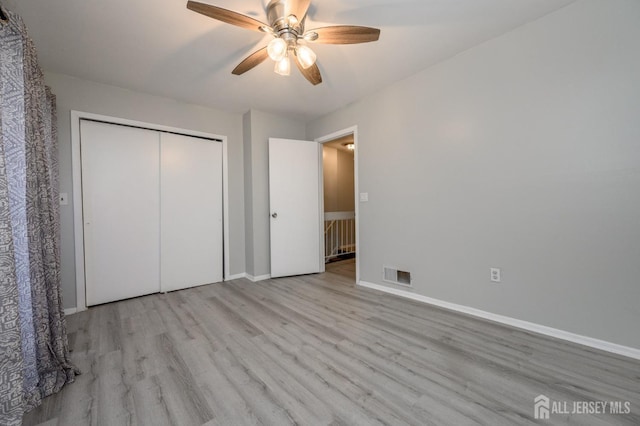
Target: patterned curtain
(34, 356)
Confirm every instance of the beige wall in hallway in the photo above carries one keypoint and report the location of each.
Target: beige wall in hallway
(338, 180)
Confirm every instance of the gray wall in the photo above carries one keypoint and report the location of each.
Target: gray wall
(248, 193)
(522, 153)
(81, 95)
(258, 128)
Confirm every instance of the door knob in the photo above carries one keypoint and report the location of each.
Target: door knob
(274, 215)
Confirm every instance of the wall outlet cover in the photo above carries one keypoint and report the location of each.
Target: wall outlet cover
(496, 275)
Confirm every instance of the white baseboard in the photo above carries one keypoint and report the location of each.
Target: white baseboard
(236, 276)
(525, 325)
(258, 278)
(70, 311)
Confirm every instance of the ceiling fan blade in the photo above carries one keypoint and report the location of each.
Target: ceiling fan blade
(312, 73)
(227, 16)
(298, 8)
(343, 34)
(251, 61)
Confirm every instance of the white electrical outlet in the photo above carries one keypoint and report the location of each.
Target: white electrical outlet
(495, 275)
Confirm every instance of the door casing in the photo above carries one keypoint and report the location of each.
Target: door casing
(328, 138)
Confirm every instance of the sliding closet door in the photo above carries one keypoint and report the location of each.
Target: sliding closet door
(120, 201)
(191, 212)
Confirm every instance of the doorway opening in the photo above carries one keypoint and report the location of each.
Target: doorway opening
(339, 196)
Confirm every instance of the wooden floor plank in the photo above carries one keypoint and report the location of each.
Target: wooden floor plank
(227, 404)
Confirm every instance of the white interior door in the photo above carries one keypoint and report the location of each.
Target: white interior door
(121, 211)
(294, 199)
(191, 212)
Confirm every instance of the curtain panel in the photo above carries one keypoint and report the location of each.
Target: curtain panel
(34, 355)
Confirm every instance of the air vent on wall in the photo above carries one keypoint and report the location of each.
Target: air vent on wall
(394, 276)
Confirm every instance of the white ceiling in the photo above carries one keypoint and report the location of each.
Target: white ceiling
(162, 48)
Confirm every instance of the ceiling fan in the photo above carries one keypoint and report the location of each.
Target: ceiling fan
(286, 24)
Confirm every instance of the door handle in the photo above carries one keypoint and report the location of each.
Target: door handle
(274, 215)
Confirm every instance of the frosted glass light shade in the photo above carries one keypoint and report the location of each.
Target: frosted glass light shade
(306, 56)
(283, 66)
(277, 49)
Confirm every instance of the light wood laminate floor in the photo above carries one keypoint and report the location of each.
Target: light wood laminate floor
(317, 350)
(344, 268)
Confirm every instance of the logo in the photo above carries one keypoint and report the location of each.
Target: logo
(544, 407)
(541, 407)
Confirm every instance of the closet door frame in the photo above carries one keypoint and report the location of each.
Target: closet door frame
(76, 162)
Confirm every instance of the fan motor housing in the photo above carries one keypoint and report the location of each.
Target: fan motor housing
(282, 21)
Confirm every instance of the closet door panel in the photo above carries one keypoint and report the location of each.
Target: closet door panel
(191, 212)
(121, 211)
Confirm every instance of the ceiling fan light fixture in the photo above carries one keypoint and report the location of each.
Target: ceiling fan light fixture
(283, 66)
(306, 56)
(277, 49)
(286, 23)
